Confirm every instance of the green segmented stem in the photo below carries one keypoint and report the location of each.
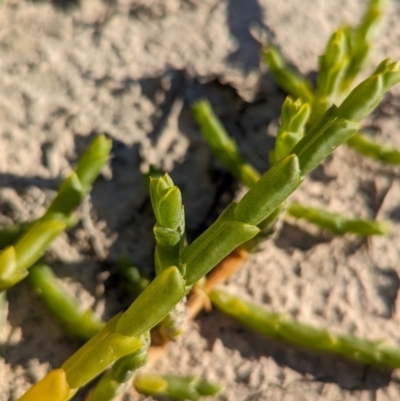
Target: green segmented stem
(294, 117)
(344, 57)
(361, 41)
(337, 125)
(366, 96)
(218, 241)
(313, 149)
(287, 78)
(169, 230)
(100, 352)
(278, 327)
(333, 65)
(35, 239)
(154, 303)
(337, 223)
(169, 233)
(223, 147)
(124, 334)
(373, 150)
(277, 184)
(182, 388)
(120, 336)
(11, 234)
(78, 322)
(226, 150)
(116, 380)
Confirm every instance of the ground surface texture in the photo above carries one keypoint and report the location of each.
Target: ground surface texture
(128, 68)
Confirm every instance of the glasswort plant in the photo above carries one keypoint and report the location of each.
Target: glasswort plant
(124, 339)
(312, 127)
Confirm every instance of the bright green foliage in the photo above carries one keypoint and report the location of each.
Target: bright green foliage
(180, 388)
(154, 303)
(115, 381)
(92, 162)
(10, 234)
(14, 264)
(278, 327)
(123, 335)
(169, 233)
(343, 59)
(337, 223)
(218, 241)
(169, 286)
(79, 183)
(288, 78)
(30, 246)
(344, 56)
(332, 67)
(223, 147)
(100, 352)
(270, 191)
(365, 97)
(368, 148)
(337, 125)
(79, 322)
(360, 42)
(333, 63)
(265, 199)
(294, 117)
(123, 341)
(169, 230)
(313, 149)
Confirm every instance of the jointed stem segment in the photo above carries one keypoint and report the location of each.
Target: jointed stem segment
(79, 322)
(30, 246)
(367, 147)
(278, 327)
(336, 223)
(223, 147)
(182, 388)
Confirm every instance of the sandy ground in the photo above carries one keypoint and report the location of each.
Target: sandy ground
(128, 68)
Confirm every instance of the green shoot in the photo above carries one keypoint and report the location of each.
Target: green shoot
(180, 388)
(366, 147)
(127, 333)
(278, 327)
(344, 57)
(115, 381)
(169, 233)
(170, 227)
(337, 223)
(312, 148)
(223, 147)
(30, 246)
(289, 79)
(360, 42)
(333, 65)
(78, 322)
(294, 117)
